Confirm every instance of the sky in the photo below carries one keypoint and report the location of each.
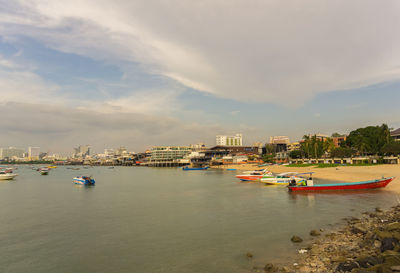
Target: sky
(174, 72)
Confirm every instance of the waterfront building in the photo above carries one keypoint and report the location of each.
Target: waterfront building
(169, 153)
(237, 150)
(395, 134)
(235, 140)
(33, 153)
(11, 152)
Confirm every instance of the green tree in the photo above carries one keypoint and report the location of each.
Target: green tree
(369, 140)
(296, 154)
(269, 149)
(268, 158)
(342, 152)
(392, 148)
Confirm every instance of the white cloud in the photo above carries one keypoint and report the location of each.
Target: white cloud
(264, 51)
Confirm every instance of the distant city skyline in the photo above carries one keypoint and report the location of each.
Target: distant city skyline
(143, 73)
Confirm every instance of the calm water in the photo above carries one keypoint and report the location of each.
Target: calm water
(158, 220)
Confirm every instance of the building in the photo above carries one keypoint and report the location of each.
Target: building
(395, 134)
(279, 140)
(337, 141)
(293, 146)
(11, 152)
(235, 140)
(319, 136)
(169, 153)
(33, 153)
(238, 150)
(82, 151)
(109, 152)
(280, 143)
(198, 146)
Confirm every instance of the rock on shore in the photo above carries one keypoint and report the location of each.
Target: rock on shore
(370, 244)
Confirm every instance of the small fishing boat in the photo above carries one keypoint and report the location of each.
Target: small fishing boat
(84, 180)
(363, 185)
(253, 175)
(186, 168)
(44, 171)
(284, 178)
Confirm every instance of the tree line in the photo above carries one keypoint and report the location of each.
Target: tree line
(370, 140)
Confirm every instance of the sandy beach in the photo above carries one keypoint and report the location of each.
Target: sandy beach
(341, 173)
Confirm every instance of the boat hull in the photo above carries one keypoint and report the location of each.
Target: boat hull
(249, 177)
(373, 184)
(7, 176)
(81, 181)
(194, 169)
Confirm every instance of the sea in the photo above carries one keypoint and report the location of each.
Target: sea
(158, 220)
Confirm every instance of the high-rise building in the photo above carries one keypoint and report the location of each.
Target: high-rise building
(34, 153)
(82, 151)
(10, 152)
(235, 140)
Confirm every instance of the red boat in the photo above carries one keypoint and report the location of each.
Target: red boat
(371, 184)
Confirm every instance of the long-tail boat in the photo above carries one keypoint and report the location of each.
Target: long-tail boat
(363, 185)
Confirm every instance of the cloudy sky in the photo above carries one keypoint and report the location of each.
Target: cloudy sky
(169, 72)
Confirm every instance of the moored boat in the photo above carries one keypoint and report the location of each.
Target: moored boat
(284, 178)
(7, 173)
(84, 180)
(44, 171)
(7, 176)
(363, 185)
(253, 175)
(186, 168)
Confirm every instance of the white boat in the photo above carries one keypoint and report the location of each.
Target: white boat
(253, 175)
(284, 178)
(7, 175)
(44, 171)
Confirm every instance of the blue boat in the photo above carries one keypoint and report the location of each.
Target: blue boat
(84, 180)
(194, 169)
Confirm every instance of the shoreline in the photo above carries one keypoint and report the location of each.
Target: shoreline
(341, 173)
(370, 243)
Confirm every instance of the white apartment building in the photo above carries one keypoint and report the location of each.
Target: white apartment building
(235, 140)
(11, 152)
(279, 140)
(33, 153)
